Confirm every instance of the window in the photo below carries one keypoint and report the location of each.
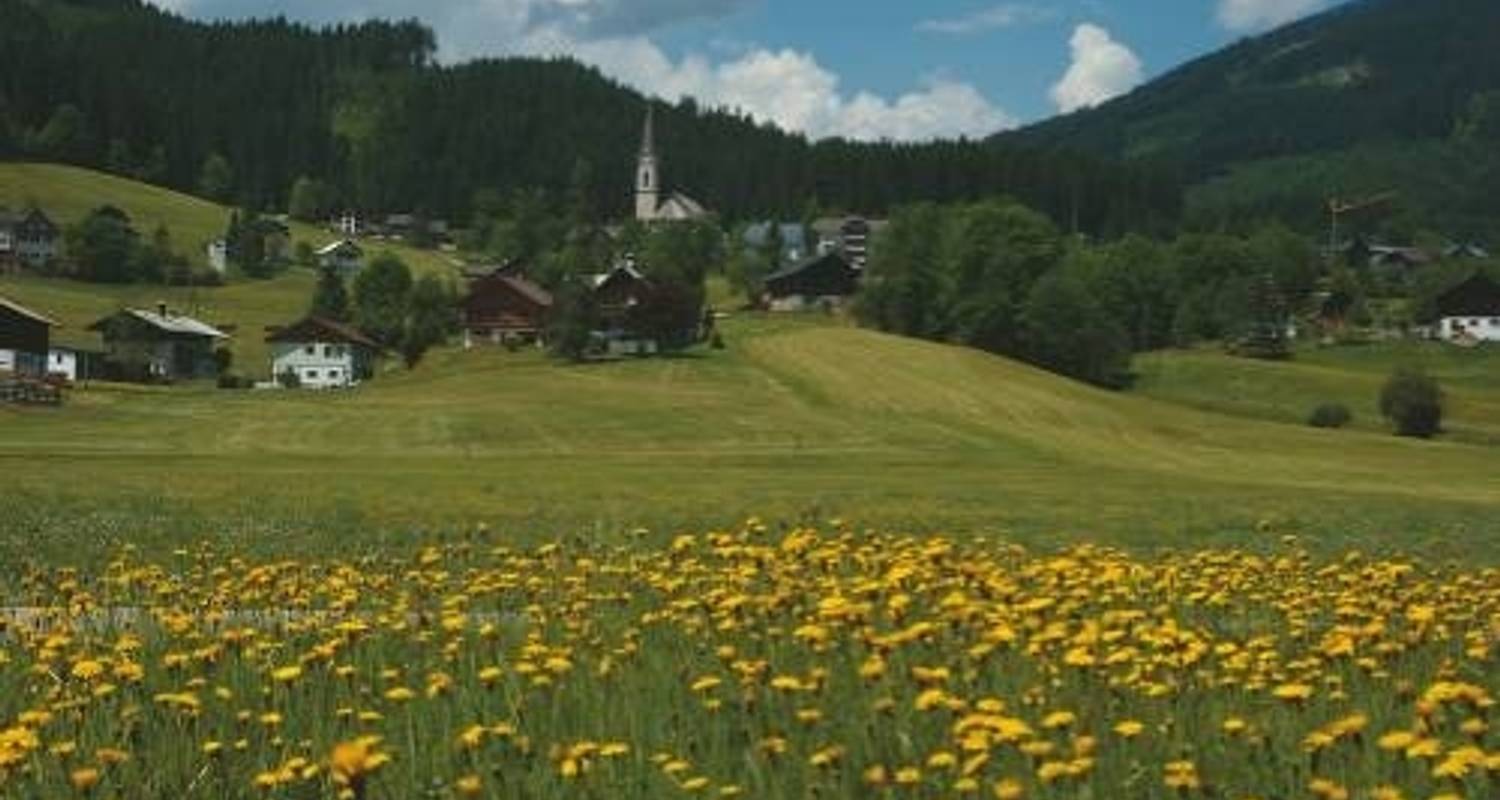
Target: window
(333, 374)
(328, 350)
(310, 375)
(311, 350)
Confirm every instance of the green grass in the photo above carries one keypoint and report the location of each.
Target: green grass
(1288, 391)
(796, 419)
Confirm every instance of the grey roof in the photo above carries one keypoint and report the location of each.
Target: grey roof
(176, 323)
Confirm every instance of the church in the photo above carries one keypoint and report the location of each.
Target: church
(649, 204)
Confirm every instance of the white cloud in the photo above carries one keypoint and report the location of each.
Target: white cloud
(787, 87)
(1256, 15)
(1102, 68)
(1002, 16)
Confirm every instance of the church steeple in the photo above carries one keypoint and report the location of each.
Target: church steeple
(647, 181)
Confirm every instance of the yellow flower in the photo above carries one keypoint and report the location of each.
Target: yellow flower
(399, 694)
(286, 674)
(1059, 719)
(1181, 775)
(1293, 692)
(1129, 728)
(84, 779)
(469, 786)
(1009, 789)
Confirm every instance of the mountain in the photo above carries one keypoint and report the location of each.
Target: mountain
(1371, 96)
(124, 86)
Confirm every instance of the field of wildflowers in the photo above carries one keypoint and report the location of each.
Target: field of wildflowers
(754, 663)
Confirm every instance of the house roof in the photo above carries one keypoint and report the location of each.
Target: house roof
(26, 312)
(1476, 297)
(321, 329)
(527, 289)
(334, 247)
(599, 279)
(168, 323)
(679, 206)
(807, 265)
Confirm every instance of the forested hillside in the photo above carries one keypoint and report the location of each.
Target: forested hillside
(123, 86)
(1371, 96)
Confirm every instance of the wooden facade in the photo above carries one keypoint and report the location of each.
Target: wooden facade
(503, 307)
(828, 278)
(158, 346)
(25, 338)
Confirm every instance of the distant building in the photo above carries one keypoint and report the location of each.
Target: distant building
(34, 239)
(7, 240)
(158, 345)
(322, 353)
(794, 239)
(618, 294)
(502, 306)
(75, 361)
(826, 280)
(25, 337)
(1470, 311)
(217, 252)
(344, 257)
(1466, 251)
(652, 202)
(349, 224)
(852, 236)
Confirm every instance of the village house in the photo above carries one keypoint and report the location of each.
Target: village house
(217, 252)
(344, 257)
(823, 281)
(158, 345)
(24, 340)
(851, 236)
(652, 204)
(76, 358)
(617, 295)
(793, 235)
(1470, 311)
(321, 354)
(503, 307)
(28, 239)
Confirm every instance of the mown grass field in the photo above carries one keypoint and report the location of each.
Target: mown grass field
(796, 419)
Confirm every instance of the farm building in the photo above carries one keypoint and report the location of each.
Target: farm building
(618, 294)
(1470, 311)
(322, 354)
(825, 280)
(850, 236)
(158, 345)
(502, 306)
(343, 256)
(24, 340)
(35, 236)
(75, 360)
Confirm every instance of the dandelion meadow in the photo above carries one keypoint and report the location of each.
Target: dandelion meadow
(753, 662)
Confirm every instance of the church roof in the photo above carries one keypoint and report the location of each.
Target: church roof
(680, 207)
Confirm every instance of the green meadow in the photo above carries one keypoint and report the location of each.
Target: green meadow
(798, 418)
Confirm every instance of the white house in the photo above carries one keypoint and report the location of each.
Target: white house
(218, 255)
(343, 256)
(1470, 311)
(322, 354)
(73, 362)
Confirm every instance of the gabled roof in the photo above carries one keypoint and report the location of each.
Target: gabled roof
(680, 207)
(1476, 297)
(168, 323)
(321, 329)
(627, 270)
(26, 312)
(334, 247)
(527, 289)
(808, 264)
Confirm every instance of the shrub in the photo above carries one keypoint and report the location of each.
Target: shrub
(1330, 415)
(289, 379)
(229, 380)
(717, 342)
(1413, 402)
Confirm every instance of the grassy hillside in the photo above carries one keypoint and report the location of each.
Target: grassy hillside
(795, 418)
(1288, 391)
(69, 193)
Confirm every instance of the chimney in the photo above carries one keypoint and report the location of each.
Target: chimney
(161, 310)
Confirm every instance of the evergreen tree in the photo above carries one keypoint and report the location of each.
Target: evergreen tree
(216, 178)
(430, 319)
(382, 292)
(330, 297)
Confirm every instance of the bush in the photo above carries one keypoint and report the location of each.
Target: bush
(289, 379)
(1330, 415)
(1413, 402)
(229, 380)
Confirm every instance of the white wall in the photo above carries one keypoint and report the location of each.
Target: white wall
(63, 362)
(328, 365)
(1482, 328)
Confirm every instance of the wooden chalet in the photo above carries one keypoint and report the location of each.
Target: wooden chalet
(1470, 311)
(35, 236)
(158, 345)
(25, 338)
(824, 280)
(503, 307)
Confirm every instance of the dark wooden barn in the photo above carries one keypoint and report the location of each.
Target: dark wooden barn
(504, 307)
(824, 279)
(25, 338)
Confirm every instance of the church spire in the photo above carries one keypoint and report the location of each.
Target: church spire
(647, 181)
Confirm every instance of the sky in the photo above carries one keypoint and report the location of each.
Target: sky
(906, 70)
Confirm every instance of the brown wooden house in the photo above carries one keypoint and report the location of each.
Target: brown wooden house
(25, 338)
(825, 280)
(503, 307)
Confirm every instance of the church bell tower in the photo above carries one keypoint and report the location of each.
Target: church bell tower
(647, 181)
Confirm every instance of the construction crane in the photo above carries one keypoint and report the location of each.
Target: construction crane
(1338, 208)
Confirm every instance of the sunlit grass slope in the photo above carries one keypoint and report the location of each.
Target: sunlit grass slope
(792, 419)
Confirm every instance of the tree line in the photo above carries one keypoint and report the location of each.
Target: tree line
(360, 117)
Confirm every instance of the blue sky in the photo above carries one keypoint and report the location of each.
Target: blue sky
(864, 69)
